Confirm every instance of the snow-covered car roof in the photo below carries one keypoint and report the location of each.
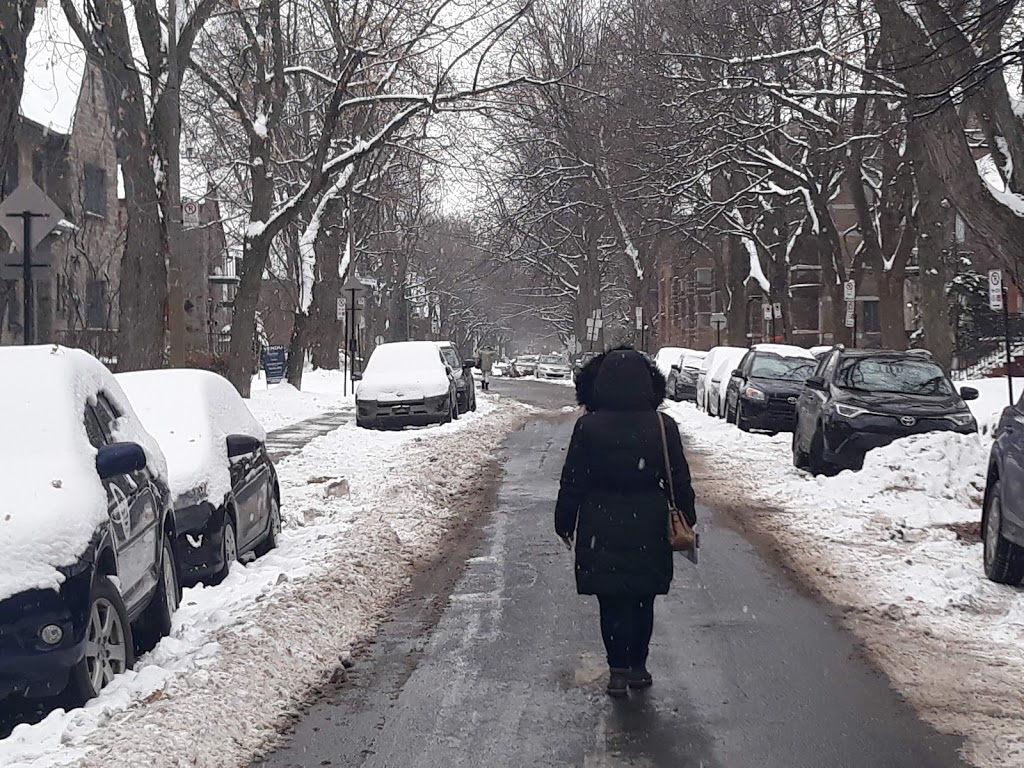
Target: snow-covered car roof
(785, 350)
(54, 500)
(725, 361)
(709, 360)
(191, 413)
(404, 370)
(692, 359)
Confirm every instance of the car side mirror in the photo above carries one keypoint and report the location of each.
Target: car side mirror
(357, 375)
(738, 373)
(676, 368)
(816, 382)
(468, 365)
(119, 459)
(969, 393)
(242, 445)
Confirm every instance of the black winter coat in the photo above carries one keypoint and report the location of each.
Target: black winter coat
(613, 494)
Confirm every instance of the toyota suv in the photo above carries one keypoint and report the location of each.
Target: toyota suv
(858, 400)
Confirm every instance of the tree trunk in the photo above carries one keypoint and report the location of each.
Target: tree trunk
(326, 340)
(241, 355)
(737, 267)
(891, 309)
(297, 349)
(16, 20)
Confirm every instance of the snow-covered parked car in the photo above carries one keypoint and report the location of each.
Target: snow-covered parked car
(764, 388)
(718, 379)
(682, 381)
(227, 503)
(708, 366)
(667, 357)
(553, 367)
(87, 570)
(405, 384)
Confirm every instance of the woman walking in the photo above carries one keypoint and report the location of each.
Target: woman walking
(614, 501)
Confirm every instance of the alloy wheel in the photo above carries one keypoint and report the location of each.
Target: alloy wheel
(993, 522)
(170, 580)
(230, 546)
(106, 651)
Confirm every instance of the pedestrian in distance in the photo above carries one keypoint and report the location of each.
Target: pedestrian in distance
(614, 502)
(485, 359)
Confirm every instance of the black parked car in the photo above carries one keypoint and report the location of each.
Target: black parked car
(227, 503)
(763, 390)
(1002, 517)
(464, 383)
(682, 380)
(87, 570)
(863, 399)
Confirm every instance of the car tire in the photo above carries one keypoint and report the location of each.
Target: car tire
(108, 631)
(273, 537)
(740, 421)
(730, 412)
(155, 622)
(455, 409)
(816, 456)
(228, 547)
(472, 406)
(800, 458)
(1004, 560)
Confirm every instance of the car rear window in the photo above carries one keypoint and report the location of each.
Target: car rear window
(893, 374)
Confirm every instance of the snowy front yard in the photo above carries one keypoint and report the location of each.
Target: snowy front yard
(896, 547)
(243, 655)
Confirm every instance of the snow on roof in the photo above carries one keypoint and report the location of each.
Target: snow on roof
(54, 68)
(716, 353)
(53, 499)
(785, 350)
(191, 413)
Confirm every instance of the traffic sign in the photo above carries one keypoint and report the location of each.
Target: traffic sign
(339, 311)
(718, 321)
(850, 290)
(850, 316)
(766, 311)
(995, 289)
(777, 310)
(639, 318)
(46, 215)
(189, 214)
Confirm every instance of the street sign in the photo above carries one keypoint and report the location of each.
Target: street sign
(766, 311)
(189, 214)
(777, 310)
(850, 316)
(340, 310)
(995, 289)
(275, 363)
(718, 321)
(850, 290)
(46, 215)
(639, 318)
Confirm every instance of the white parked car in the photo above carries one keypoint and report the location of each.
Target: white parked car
(707, 368)
(667, 357)
(553, 367)
(720, 376)
(406, 383)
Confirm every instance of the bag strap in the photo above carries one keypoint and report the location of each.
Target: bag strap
(668, 462)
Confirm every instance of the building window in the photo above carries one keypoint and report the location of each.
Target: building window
(96, 304)
(62, 293)
(95, 190)
(705, 277)
(871, 316)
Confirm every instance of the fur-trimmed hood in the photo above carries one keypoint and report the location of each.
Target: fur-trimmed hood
(620, 380)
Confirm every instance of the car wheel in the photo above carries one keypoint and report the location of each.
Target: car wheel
(730, 412)
(816, 456)
(273, 537)
(472, 406)
(455, 409)
(740, 421)
(800, 460)
(1004, 560)
(155, 622)
(109, 648)
(228, 547)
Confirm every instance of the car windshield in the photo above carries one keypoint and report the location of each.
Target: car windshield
(450, 357)
(551, 360)
(782, 368)
(892, 374)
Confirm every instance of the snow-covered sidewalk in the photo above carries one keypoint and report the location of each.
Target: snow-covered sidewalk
(896, 546)
(243, 655)
(280, 405)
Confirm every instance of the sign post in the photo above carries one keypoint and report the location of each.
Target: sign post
(718, 322)
(352, 287)
(997, 300)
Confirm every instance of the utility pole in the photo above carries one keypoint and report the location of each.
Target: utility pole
(175, 289)
(26, 273)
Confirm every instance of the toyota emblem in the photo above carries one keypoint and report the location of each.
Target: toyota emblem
(908, 421)
(791, 401)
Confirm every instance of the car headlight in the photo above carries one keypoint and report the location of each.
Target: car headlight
(849, 411)
(753, 393)
(961, 419)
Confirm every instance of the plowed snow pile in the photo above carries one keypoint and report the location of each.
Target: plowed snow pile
(896, 545)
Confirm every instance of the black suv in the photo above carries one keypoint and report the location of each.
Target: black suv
(863, 399)
(763, 390)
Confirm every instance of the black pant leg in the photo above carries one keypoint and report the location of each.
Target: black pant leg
(642, 623)
(617, 628)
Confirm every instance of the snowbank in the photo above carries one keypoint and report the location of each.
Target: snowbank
(896, 546)
(53, 499)
(281, 405)
(191, 413)
(242, 656)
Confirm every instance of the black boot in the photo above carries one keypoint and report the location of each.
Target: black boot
(640, 678)
(618, 680)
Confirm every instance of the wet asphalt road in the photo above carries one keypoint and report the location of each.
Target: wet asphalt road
(501, 664)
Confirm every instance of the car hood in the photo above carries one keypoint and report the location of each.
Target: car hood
(900, 404)
(778, 387)
(408, 385)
